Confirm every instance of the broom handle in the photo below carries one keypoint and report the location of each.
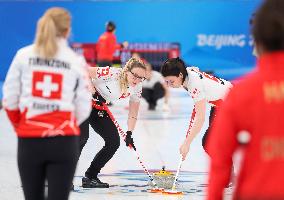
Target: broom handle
(137, 155)
(178, 170)
(181, 160)
(122, 133)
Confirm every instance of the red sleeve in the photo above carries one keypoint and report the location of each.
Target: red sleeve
(221, 145)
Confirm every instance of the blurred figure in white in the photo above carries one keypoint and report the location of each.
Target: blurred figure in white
(154, 87)
(46, 97)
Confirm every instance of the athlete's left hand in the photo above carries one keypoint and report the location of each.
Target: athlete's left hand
(129, 140)
(184, 149)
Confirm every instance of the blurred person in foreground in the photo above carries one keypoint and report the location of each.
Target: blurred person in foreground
(46, 97)
(251, 118)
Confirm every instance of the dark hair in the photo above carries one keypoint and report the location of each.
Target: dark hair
(110, 26)
(251, 20)
(173, 67)
(268, 25)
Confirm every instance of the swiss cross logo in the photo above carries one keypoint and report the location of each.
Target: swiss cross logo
(47, 85)
(102, 71)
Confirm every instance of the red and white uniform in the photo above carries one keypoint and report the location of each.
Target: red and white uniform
(201, 85)
(204, 86)
(47, 97)
(107, 85)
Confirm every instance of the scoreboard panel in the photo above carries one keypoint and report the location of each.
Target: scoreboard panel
(154, 53)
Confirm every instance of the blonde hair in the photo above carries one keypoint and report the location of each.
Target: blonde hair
(53, 24)
(130, 64)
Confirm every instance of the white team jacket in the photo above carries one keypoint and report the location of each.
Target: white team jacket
(107, 85)
(47, 97)
(204, 86)
(201, 86)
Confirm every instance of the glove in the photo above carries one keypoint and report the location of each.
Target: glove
(129, 140)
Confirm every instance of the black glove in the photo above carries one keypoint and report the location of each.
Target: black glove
(129, 140)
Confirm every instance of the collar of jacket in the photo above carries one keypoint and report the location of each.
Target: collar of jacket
(271, 61)
(62, 41)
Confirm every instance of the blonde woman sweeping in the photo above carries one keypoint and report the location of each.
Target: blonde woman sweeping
(111, 84)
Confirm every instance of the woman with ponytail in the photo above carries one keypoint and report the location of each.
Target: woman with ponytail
(111, 84)
(46, 97)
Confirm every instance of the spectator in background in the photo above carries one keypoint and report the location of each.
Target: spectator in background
(107, 45)
(252, 118)
(46, 97)
(154, 88)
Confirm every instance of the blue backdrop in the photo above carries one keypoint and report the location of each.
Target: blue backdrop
(214, 34)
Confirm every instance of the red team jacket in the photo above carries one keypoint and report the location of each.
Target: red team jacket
(47, 97)
(251, 118)
(106, 46)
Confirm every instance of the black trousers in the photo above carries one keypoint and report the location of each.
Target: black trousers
(154, 94)
(104, 63)
(205, 137)
(211, 117)
(52, 159)
(104, 126)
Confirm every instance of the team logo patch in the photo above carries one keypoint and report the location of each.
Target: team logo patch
(47, 85)
(102, 71)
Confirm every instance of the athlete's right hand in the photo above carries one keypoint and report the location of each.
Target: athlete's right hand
(184, 149)
(129, 140)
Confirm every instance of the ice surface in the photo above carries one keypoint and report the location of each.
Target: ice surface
(157, 137)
